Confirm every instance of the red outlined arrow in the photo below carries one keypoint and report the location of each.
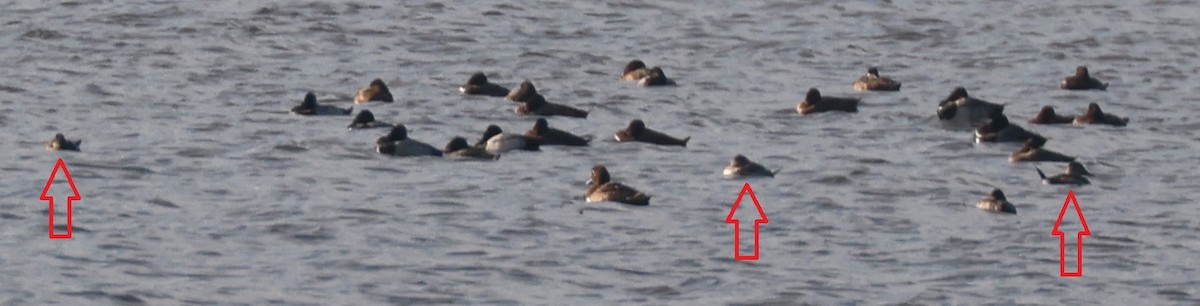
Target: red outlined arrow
(1062, 239)
(47, 197)
(762, 218)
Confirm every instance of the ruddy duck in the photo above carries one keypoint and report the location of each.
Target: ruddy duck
(815, 103)
(310, 108)
(637, 131)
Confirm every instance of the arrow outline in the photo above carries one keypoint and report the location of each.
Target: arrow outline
(737, 251)
(1062, 238)
(75, 196)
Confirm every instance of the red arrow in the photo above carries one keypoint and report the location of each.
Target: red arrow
(762, 218)
(1062, 243)
(74, 197)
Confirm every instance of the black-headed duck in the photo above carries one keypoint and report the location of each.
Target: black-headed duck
(1082, 81)
(478, 85)
(310, 108)
(552, 136)
(1048, 116)
(60, 143)
(656, 77)
(815, 103)
(601, 188)
(457, 147)
(637, 131)
(1096, 116)
(397, 143)
(494, 140)
(1032, 151)
(872, 81)
(997, 203)
(535, 104)
(366, 120)
(1000, 130)
(1074, 175)
(962, 109)
(741, 166)
(377, 91)
(635, 71)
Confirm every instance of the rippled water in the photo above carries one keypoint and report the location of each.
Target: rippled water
(199, 188)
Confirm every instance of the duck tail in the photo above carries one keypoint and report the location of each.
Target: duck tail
(685, 140)
(640, 199)
(1040, 173)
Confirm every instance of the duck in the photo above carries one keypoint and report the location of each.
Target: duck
(377, 91)
(815, 103)
(60, 143)
(741, 166)
(873, 82)
(960, 108)
(997, 203)
(478, 85)
(310, 108)
(1048, 116)
(601, 188)
(1096, 116)
(637, 131)
(635, 71)
(1032, 151)
(1000, 130)
(496, 141)
(366, 120)
(656, 77)
(552, 136)
(535, 104)
(1073, 176)
(397, 143)
(457, 147)
(1082, 81)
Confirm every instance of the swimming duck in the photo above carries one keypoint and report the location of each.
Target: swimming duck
(872, 81)
(310, 108)
(1082, 81)
(1073, 175)
(815, 103)
(655, 77)
(496, 141)
(366, 120)
(397, 143)
(1032, 151)
(635, 70)
(535, 104)
(963, 109)
(1048, 116)
(60, 143)
(601, 188)
(552, 136)
(1095, 116)
(458, 148)
(377, 91)
(741, 166)
(478, 85)
(997, 203)
(1000, 130)
(637, 131)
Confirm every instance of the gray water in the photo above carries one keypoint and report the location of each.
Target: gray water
(199, 188)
